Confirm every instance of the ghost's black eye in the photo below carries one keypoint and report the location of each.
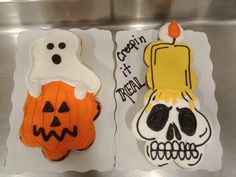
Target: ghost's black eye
(63, 108)
(187, 121)
(62, 45)
(50, 46)
(48, 107)
(158, 117)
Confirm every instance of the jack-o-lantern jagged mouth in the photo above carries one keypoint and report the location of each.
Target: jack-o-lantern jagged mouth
(172, 150)
(45, 137)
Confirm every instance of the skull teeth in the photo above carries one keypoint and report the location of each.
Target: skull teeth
(173, 150)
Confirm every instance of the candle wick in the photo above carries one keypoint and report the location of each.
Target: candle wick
(174, 39)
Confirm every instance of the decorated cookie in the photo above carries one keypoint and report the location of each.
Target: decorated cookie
(61, 106)
(171, 124)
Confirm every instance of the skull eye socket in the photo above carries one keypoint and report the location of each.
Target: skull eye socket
(158, 117)
(63, 108)
(48, 107)
(187, 121)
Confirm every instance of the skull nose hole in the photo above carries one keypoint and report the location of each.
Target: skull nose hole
(172, 132)
(177, 133)
(55, 122)
(56, 59)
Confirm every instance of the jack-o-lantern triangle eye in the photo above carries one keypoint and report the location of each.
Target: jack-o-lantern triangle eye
(48, 107)
(63, 108)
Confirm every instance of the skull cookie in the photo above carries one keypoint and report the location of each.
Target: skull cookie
(61, 105)
(173, 132)
(170, 123)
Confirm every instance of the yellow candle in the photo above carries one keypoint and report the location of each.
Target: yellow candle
(169, 66)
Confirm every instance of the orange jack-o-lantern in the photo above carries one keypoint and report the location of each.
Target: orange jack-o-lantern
(58, 122)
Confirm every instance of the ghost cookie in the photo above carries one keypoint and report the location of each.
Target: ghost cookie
(61, 105)
(170, 123)
(57, 58)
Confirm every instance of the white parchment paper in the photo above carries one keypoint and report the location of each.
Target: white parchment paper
(129, 150)
(97, 55)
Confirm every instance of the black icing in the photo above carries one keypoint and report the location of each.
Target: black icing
(158, 117)
(177, 133)
(50, 46)
(55, 122)
(51, 133)
(56, 59)
(48, 107)
(155, 58)
(173, 150)
(170, 133)
(62, 45)
(187, 121)
(63, 108)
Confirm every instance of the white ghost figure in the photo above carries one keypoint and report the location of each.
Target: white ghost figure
(55, 58)
(173, 132)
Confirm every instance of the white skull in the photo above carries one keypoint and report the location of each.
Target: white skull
(173, 133)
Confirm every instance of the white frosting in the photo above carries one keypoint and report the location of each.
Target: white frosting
(164, 36)
(35, 88)
(142, 131)
(81, 90)
(67, 67)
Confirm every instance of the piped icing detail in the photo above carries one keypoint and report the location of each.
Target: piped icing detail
(55, 58)
(170, 123)
(171, 32)
(61, 105)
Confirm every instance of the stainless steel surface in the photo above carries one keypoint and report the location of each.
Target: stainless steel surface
(217, 18)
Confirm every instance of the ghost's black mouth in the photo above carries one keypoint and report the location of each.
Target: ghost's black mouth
(51, 133)
(172, 150)
(56, 59)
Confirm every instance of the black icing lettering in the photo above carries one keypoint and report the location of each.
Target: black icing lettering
(158, 117)
(135, 87)
(120, 56)
(187, 121)
(126, 69)
(135, 39)
(123, 51)
(138, 83)
(132, 44)
(142, 39)
(123, 94)
(129, 89)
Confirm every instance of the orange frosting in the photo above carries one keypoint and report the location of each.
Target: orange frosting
(173, 29)
(75, 122)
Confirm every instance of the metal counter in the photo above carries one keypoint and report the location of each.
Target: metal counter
(217, 18)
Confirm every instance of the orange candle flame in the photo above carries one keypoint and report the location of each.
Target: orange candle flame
(173, 29)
